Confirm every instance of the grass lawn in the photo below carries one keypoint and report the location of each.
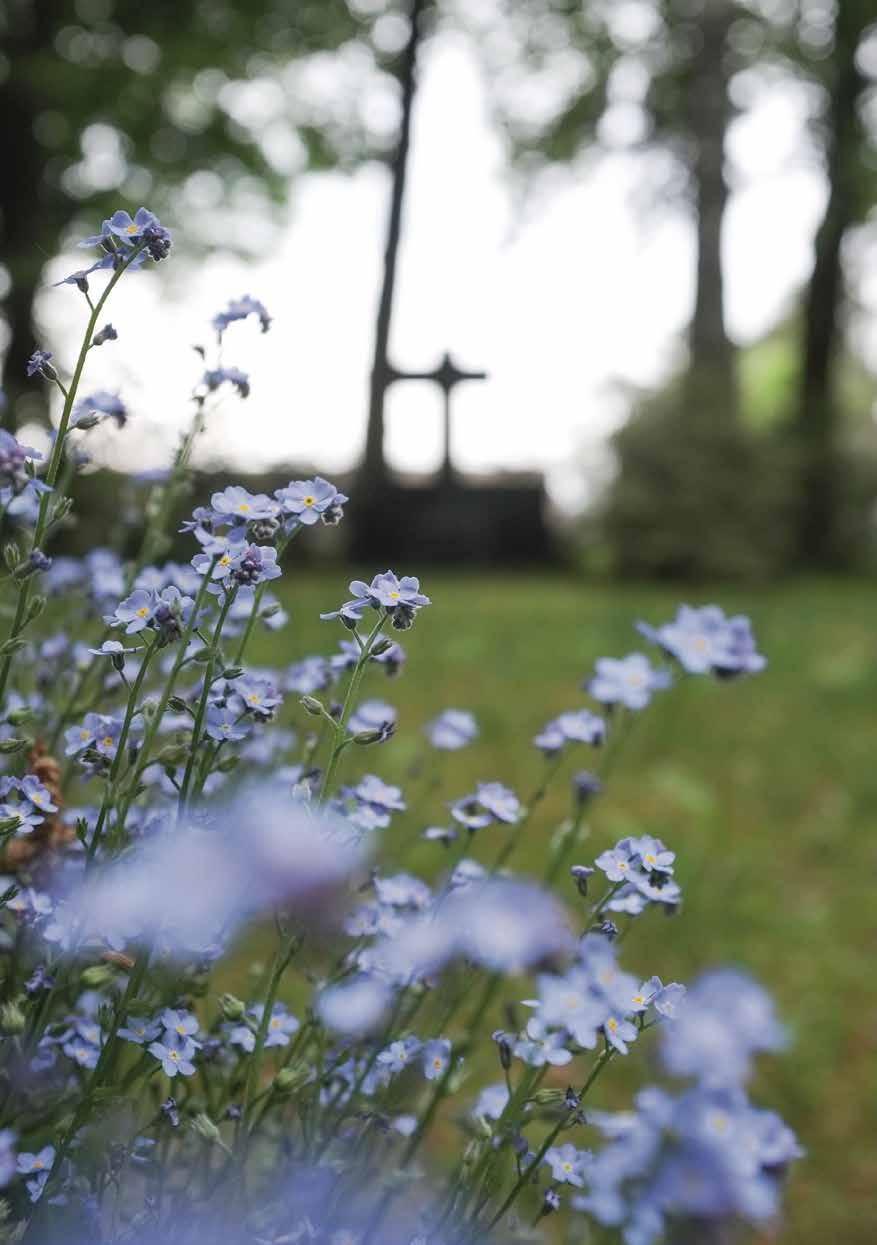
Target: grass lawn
(766, 789)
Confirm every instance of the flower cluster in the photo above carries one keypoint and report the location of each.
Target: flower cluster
(161, 795)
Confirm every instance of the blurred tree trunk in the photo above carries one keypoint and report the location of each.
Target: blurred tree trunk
(711, 381)
(27, 225)
(373, 470)
(819, 414)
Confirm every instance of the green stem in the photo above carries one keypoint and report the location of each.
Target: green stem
(341, 725)
(19, 620)
(198, 728)
(155, 723)
(282, 958)
(110, 792)
(531, 1167)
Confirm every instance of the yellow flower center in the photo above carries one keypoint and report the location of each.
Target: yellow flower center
(612, 1024)
(309, 501)
(143, 611)
(132, 228)
(224, 560)
(108, 741)
(243, 507)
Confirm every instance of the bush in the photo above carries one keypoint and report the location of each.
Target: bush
(698, 497)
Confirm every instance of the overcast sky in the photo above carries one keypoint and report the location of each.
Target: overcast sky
(583, 291)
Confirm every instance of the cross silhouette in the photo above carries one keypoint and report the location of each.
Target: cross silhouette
(447, 375)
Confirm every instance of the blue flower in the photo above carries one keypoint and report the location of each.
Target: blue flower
(491, 1103)
(542, 1046)
(214, 377)
(568, 1164)
(125, 232)
(179, 1023)
(239, 309)
(379, 795)
(96, 407)
(310, 500)
(354, 1007)
(704, 641)
(236, 505)
(39, 363)
(134, 613)
(30, 1164)
(223, 724)
(38, 794)
(400, 598)
(491, 802)
(629, 681)
(82, 1052)
(139, 1030)
(281, 1026)
(254, 695)
(256, 564)
(452, 729)
(435, 1058)
(725, 1019)
(619, 1032)
(373, 715)
(576, 726)
(398, 1055)
(175, 1055)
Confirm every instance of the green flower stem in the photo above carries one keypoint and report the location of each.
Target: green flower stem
(484, 1001)
(341, 725)
(155, 722)
(21, 610)
(286, 949)
(535, 799)
(532, 1166)
(198, 728)
(110, 791)
(101, 1068)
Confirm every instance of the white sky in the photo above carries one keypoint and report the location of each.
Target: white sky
(559, 305)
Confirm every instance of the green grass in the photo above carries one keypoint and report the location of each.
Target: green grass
(765, 788)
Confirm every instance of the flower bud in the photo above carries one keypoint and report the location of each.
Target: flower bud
(504, 1046)
(11, 556)
(311, 705)
(96, 976)
(232, 673)
(231, 1007)
(206, 1129)
(9, 824)
(290, 1079)
(178, 704)
(12, 1019)
(18, 717)
(580, 874)
(10, 746)
(36, 607)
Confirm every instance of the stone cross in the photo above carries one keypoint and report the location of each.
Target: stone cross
(447, 375)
